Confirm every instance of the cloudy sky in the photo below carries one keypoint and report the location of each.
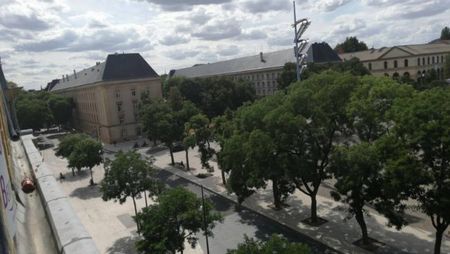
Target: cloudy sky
(42, 39)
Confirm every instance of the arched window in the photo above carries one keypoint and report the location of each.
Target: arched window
(428, 60)
(418, 61)
(406, 75)
(423, 60)
(385, 65)
(406, 63)
(437, 59)
(395, 64)
(442, 59)
(395, 76)
(432, 60)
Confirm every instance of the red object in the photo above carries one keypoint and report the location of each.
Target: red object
(28, 185)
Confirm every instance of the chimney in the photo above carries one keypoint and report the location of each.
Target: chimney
(261, 56)
(75, 74)
(63, 79)
(67, 77)
(97, 63)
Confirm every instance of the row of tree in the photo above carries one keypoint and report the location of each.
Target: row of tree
(40, 109)
(176, 216)
(383, 143)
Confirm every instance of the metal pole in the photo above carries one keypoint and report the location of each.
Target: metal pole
(204, 221)
(296, 43)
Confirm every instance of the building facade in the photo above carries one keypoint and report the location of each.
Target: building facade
(106, 96)
(262, 70)
(413, 61)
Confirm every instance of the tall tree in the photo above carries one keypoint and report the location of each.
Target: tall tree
(150, 114)
(288, 76)
(67, 146)
(32, 112)
(86, 154)
(351, 44)
(422, 127)
(128, 176)
(445, 33)
(199, 131)
(178, 216)
(276, 244)
(61, 109)
(319, 102)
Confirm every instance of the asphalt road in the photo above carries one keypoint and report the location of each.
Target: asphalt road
(237, 223)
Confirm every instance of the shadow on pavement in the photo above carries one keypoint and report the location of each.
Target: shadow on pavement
(83, 174)
(124, 245)
(87, 192)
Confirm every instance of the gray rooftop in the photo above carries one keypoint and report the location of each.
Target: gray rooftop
(116, 67)
(317, 52)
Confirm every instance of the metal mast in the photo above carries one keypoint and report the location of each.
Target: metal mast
(300, 27)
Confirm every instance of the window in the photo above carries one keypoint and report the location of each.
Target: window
(442, 59)
(117, 93)
(406, 63)
(395, 64)
(133, 92)
(423, 61)
(119, 106)
(385, 65)
(121, 119)
(418, 61)
(370, 66)
(432, 61)
(428, 60)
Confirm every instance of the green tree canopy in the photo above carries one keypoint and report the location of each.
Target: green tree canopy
(61, 109)
(351, 44)
(128, 175)
(175, 218)
(67, 145)
(445, 33)
(32, 111)
(276, 244)
(213, 95)
(422, 128)
(87, 153)
(288, 76)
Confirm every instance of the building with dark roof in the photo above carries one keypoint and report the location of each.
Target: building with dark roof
(263, 69)
(106, 95)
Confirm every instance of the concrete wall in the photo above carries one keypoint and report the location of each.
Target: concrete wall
(70, 235)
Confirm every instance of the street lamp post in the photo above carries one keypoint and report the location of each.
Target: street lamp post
(300, 27)
(204, 220)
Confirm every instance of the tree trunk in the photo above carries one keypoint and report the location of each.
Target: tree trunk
(438, 241)
(187, 159)
(359, 216)
(135, 212)
(92, 177)
(145, 197)
(171, 156)
(276, 194)
(224, 180)
(73, 171)
(314, 218)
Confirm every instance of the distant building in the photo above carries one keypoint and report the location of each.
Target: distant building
(262, 70)
(412, 61)
(106, 96)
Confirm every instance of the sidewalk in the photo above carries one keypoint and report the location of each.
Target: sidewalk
(337, 233)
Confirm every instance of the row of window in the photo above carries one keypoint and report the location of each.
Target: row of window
(420, 62)
(132, 90)
(258, 76)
